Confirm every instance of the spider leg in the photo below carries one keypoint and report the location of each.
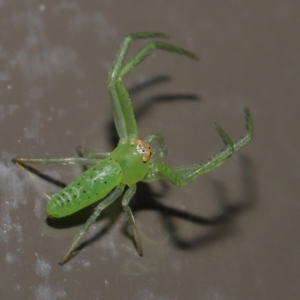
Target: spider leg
(125, 202)
(147, 49)
(87, 153)
(87, 158)
(183, 175)
(125, 45)
(121, 105)
(59, 161)
(163, 151)
(101, 206)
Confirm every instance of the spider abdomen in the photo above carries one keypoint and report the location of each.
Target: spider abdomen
(92, 185)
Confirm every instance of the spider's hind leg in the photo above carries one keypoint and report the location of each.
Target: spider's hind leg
(71, 251)
(125, 203)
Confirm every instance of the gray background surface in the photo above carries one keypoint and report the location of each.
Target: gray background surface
(234, 233)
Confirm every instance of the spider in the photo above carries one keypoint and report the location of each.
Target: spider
(112, 174)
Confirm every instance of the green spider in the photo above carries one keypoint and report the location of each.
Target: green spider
(132, 161)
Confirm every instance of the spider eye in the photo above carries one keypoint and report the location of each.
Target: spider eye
(142, 148)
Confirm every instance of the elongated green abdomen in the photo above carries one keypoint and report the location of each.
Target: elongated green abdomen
(92, 185)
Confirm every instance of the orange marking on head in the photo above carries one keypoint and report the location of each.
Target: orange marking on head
(142, 148)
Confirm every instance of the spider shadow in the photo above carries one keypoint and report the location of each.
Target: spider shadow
(216, 227)
(143, 108)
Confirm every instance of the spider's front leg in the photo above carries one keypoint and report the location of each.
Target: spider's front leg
(183, 175)
(121, 105)
(163, 151)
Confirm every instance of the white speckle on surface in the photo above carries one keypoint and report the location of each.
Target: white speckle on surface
(35, 92)
(42, 266)
(68, 132)
(68, 267)
(213, 294)
(65, 5)
(12, 190)
(36, 58)
(106, 282)
(10, 258)
(177, 265)
(59, 112)
(32, 132)
(39, 206)
(101, 25)
(137, 267)
(7, 110)
(54, 59)
(108, 244)
(85, 263)
(148, 295)
(45, 292)
(43, 190)
(4, 76)
(19, 231)
(17, 287)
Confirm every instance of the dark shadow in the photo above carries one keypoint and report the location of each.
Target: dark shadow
(40, 174)
(222, 224)
(142, 108)
(216, 226)
(140, 87)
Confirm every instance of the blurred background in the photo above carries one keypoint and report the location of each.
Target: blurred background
(233, 233)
